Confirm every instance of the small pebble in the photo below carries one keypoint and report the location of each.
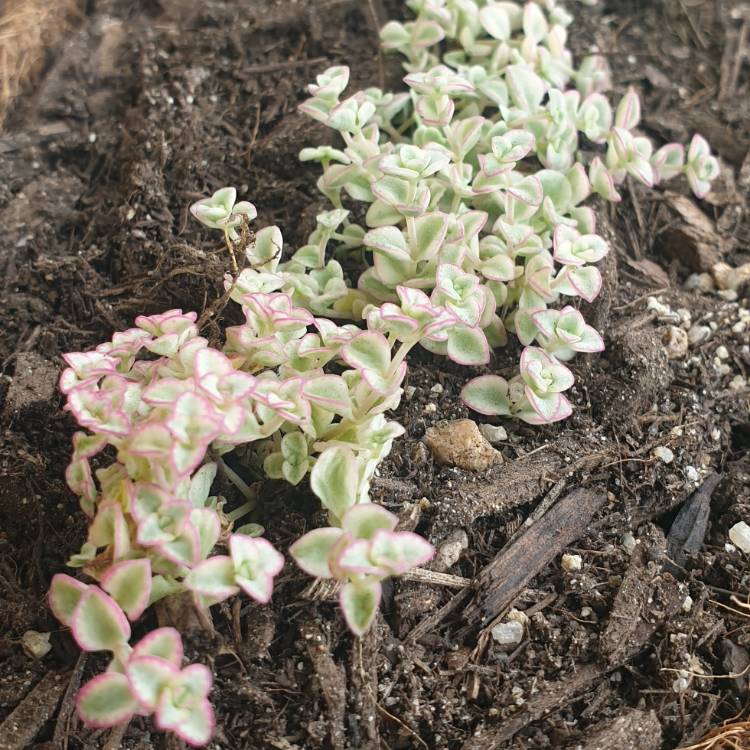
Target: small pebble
(737, 383)
(450, 550)
(702, 282)
(508, 633)
(739, 535)
(681, 684)
(437, 388)
(430, 408)
(36, 644)
(409, 392)
(493, 433)
(691, 473)
(572, 563)
(675, 341)
(664, 454)
(739, 327)
(698, 334)
(628, 542)
(722, 352)
(516, 615)
(687, 603)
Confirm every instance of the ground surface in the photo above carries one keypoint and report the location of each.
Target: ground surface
(148, 105)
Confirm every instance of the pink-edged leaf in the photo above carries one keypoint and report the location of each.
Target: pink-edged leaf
(64, 595)
(364, 519)
(359, 603)
(368, 351)
(106, 701)
(590, 341)
(551, 408)
(334, 479)
(399, 551)
(353, 558)
(184, 549)
(148, 677)
(587, 281)
(487, 394)
(312, 551)
(162, 642)
(468, 346)
(194, 726)
(98, 624)
(213, 578)
(329, 392)
(256, 563)
(129, 584)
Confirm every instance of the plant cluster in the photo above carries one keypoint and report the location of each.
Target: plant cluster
(474, 182)
(463, 198)
(162, 408)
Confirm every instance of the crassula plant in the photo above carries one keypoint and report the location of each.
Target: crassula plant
(162, 409)
(475, 178)
(463, 196)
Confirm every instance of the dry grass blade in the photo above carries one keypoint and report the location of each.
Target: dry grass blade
(734, 736)
(27, 29)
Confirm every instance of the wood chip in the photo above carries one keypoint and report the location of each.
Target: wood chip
(33, 712)
(553, 696)
(689, 527)
(648, 596)
(633, 728)
(510, 571)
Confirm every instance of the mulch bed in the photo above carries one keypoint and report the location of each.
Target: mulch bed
(148, 105)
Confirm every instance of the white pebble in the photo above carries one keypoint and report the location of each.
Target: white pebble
(687, 603)
(722, 352)
(437, 388)
(628, 542)
(698, 334)
(737, 383)
(691, 473)
(664, 454)
(430, 408)
(681, 684)
(409, 392)
(493, 433)
(36, 644)
(572, 563)
(508, 633)
(739, 535)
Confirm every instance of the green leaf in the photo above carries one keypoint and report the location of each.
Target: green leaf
(200, 485)
(129, 584)
(106, 700)
(427, 233)
(334, 479)
(389, 240)
(487, 394)
(363, 520)
(98, 624)
(527, 89)
(368, 351)
(495, 22)
(64, 595)
(359, 603)
(312, 551)
(468, 346)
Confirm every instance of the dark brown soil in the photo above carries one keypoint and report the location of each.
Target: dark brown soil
(152, 103)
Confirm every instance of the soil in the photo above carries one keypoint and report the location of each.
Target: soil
(149, 104)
